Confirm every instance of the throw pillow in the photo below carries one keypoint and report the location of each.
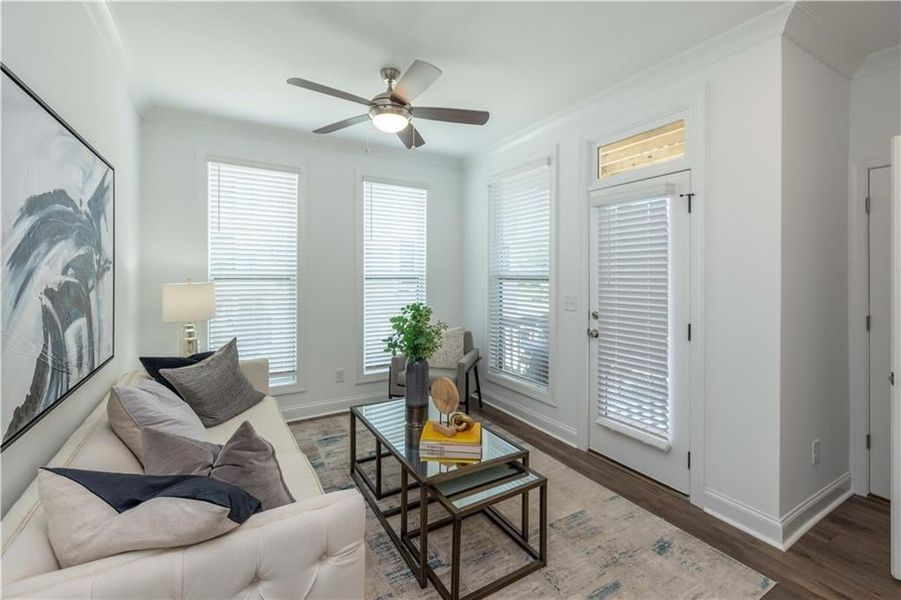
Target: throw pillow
(246, 460)
(215, 388)
(94, 514)
(153, 364)
(148, 404)
(451, 350)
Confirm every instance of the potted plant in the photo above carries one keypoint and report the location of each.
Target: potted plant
(416, 338)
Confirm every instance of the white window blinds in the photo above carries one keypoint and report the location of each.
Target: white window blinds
(633, 305)
(253, 261)
(519, 272)
(394, 262)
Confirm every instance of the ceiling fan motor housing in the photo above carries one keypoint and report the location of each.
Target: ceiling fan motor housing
(385, 104)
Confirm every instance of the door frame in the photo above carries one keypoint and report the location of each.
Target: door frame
(858, 307)
(640, 114)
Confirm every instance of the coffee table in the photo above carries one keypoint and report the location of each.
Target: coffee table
(462, 490)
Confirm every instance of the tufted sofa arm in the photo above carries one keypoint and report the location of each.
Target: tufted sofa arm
(310, 549)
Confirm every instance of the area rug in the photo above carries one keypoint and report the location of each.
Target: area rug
(600, 545)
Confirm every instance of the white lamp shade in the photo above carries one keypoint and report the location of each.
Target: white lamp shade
(184, 302)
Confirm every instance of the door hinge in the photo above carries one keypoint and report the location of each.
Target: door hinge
(689, 460)
(868, 322)
(866, 204)
(868, 441)
(891, 378)
(689, 332)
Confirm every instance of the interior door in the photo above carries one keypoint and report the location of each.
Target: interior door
(879, 192)
(639, 326)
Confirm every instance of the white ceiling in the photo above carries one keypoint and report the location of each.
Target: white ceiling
(520, 61)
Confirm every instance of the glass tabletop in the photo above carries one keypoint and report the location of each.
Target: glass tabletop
(388, 421)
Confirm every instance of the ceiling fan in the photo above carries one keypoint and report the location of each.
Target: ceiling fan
(392, 111)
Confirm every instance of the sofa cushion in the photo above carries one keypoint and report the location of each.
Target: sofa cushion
(215, 388)
(148, 404)
(94, 514)
(246, 460)
(153, 364)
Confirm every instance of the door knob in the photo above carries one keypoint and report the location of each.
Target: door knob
(593, 333)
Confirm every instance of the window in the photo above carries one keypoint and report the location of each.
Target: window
(253, 261)
(394, 262)
(642, 150)
(519, 270)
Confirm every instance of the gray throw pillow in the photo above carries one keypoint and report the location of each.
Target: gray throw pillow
(94, 514)
(215, 388)
(149, 404)
(246, 460)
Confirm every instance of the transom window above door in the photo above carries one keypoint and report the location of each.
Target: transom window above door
(644, 149)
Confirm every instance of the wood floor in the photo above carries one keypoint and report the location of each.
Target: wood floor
(846, 555)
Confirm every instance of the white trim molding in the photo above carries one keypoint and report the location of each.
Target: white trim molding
(780, 532)
(299, 411)
(552, 427)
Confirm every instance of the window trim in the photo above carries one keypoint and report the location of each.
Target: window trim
(362, 176)
(204, 159)
(532, 391)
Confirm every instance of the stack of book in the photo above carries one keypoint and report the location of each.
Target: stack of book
(465, 446)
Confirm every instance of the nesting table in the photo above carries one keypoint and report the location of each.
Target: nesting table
(462, 490)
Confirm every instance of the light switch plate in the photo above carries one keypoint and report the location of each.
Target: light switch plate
(569, 303)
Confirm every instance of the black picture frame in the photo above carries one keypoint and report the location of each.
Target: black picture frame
(6, 71)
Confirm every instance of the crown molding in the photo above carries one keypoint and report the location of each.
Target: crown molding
(732, 41)
(100, 15)
(877, 62)
(250, 129)
(809, 31)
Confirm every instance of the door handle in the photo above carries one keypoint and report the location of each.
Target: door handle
(593, 333)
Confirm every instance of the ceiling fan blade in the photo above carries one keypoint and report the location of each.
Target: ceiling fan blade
(342, 124)
(324, 89)
(417, 78)
(410, 137)
(451, 115)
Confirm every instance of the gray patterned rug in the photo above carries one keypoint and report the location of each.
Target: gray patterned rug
(599, 544)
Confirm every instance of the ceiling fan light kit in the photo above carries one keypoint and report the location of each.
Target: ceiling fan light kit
(391, 111)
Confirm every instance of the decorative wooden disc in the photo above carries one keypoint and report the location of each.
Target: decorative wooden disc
(445, 395)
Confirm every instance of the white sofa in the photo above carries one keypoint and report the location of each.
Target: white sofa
(312, 548)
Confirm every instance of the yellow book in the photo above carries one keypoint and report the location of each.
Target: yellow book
(472, 436)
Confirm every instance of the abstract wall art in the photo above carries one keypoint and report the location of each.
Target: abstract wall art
(57, 226)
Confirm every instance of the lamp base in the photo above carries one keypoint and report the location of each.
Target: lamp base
(189, 342)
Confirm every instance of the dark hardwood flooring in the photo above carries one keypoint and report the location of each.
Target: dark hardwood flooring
(846, 555)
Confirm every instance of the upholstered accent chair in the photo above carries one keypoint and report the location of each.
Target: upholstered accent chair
(468, 364)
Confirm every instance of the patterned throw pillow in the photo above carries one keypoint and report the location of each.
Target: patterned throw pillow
(246, 460)
(94, 514)
(153, 364)
(215, 388)
(148, 404)
(451, 350)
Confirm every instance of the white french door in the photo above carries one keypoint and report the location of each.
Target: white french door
(639, 326)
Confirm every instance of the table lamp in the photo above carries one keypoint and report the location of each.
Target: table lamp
(185, 303)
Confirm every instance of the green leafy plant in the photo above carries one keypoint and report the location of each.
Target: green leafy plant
(415, 336)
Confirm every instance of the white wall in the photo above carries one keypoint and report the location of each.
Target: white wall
(875, 118)
(814, 356)
(56, 50)
(740, 195)
(174, 149)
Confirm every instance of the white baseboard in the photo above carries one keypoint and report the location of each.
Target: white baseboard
(741, 516)
(808, 513)
(321, 408)
(783, 532)
(552, 427)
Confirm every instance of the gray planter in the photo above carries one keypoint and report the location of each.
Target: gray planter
(417, 390)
